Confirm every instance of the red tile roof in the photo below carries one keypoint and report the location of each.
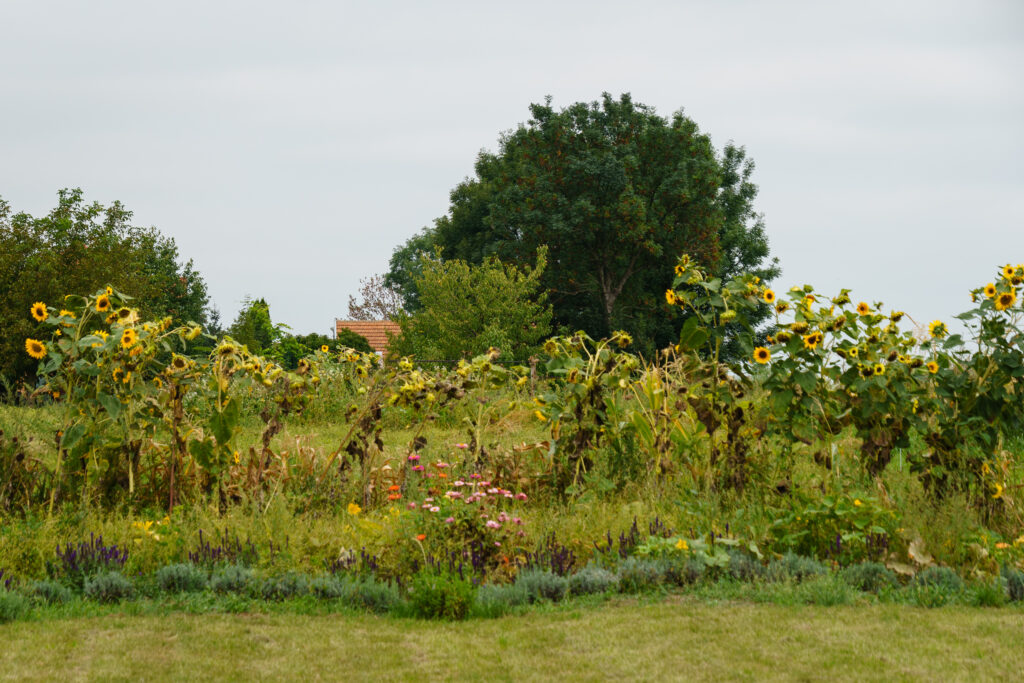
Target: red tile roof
(375, 331)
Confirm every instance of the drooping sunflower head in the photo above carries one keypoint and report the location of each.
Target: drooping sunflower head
(866, 371)
(35, 348)
(39, 311)
(226, 349)
(768, 296)
(128, 337)
(623, 339)
(670, 297)
(762, 355)
(782, 307)
(782, 336)
(1005, 300)
(933, 367)
(937, 329)
(990, 290)
(838, 323)
(799, 327)
(178, 363)
(103, 303)
(863, 308)
(303, 367)
(896, 316)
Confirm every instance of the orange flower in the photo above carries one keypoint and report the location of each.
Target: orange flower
(442, 475)
(394, 496)
(394, 487)
(421, 537)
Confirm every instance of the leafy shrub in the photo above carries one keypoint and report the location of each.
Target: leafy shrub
(328, 587)
(942, 577)
(75, 563)
(181, 578)
(793, 567)
(443, 595)
(50, 592)
(369, 594)
(288, 585)
(592, 579)
(495, 600)
(987, 594)
(744, 567)
(1014, 583)
(108, 587)
(12, 606)
(637, 575)
(828, 591)
(539, 585)
(869, 577)
(232, 578)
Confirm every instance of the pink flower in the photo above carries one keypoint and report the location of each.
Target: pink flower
(435, 509)
(474, 476)
(497, 543)
(440, 465)
(462, 445)
(413, 457)
(516, 520)
(520, 496)
(428, 500)
(417, 468)
(412, 506)
(450, 520)
(459, 482)
(491, 524)
(492, 490)
(502, 517)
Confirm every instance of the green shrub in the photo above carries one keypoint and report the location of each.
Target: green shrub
(289, 585)
(232, 578)
(494, 600)
(793, 567)
(12, 605)
(108, 587)
(827, 590)
(50, 592)
(1014, 583)
(744, 567)
(539, 585)
(592, 579)
(942, 577)
(372, 595)
(987, 594)
(869, 577)
(328, 587)
(181, 578)
(637, 575)
(443, 595)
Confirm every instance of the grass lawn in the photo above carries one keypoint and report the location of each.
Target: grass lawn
(677, 638)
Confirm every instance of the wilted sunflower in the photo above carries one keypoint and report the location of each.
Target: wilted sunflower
(303, 366)
(226, 349)
(39, 311)
(103, 303)
(799, 327)
(762, 355)
(838, 323)
(1005, 300)
(896, 316)
(550, 346)
(670, 297)
(35, 348)
(990, 290)
(933, 367)
(863, 308)
(768, 296)
(623, 339)
(178, 363)
(782, 307)
(129, 337)
(866, 371)
(782, 337)
(937, 329)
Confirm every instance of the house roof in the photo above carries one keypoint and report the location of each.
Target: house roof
(375, 331)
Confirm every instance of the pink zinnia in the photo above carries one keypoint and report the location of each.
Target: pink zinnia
(520, 496)
(462, 445)
(412, 506)
(491, 524)
(413, 457)
(417, 468)
(450, 520)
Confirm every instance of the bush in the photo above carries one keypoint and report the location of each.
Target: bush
(108, 587)
(181, 578)
(76, 563)
(493, 600)
(12, 606)
(539, 584)
(793, 567)
(828, 591)
(288, 585)
(869, 577)
(987, 594)
(592, 579)
(637, 575)
(744, 567)
(50, 592)
(1014, 583)
(942, 577)
(232, 578)
(443, 595)
(328, 587)
(370, 594)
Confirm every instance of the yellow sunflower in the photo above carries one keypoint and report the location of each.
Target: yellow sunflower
(1005, 300)
(103, 303)
(863, 308)
(64, 313)
(762, 355)
(623, 339)
(324, 348)
(990, 290)
(896, 316)
(35, 348)
(812, 340)
(879, 369)
(1008, 271)
(937, 329)
(39, 311)
(933, 367)
(129, 337)
(781, 307)
(680, 269)
(670, 297)
(178, 363)
(768, 296)
(853, 351)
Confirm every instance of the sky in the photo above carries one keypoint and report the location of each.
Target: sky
(288, 148)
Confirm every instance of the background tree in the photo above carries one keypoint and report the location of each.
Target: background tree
(253, 327)
(465, 309)
(79, 248)
(380, 301)
(617, 193)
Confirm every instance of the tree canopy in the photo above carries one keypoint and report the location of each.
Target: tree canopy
(617, 194)
(78, 248)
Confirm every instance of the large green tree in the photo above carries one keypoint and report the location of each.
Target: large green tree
(616, 193)
(77, 248)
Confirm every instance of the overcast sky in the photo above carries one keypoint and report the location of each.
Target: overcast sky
(289, 147)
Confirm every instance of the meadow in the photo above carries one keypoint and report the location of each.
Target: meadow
(839, 472)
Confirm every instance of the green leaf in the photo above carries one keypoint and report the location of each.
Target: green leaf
(110, 403)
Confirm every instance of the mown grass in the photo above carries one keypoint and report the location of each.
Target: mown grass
(678, 638)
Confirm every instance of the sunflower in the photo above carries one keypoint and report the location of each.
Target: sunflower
(39, 311)
(35, 348)
(118, 374)
(129, 337)
(1008, 271)
(863, 308)
(933, 367)
(680, 269)
(64, 313)
(866, 371)
(623, 339)
(812, 340)
(103, 303)
(178, 363)
(799, 327)
(762, 355)
(550, 346)
(768, 296)
(110, 290)
(670, 297)
(990, 290)
(896, 316)
(937, 329)
(879, 369)
(853, 351)
(1005, 300)
(303, 367)
(324, 348)
(781, 307)
(838, 323)
(226, 349)
(782, 337)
